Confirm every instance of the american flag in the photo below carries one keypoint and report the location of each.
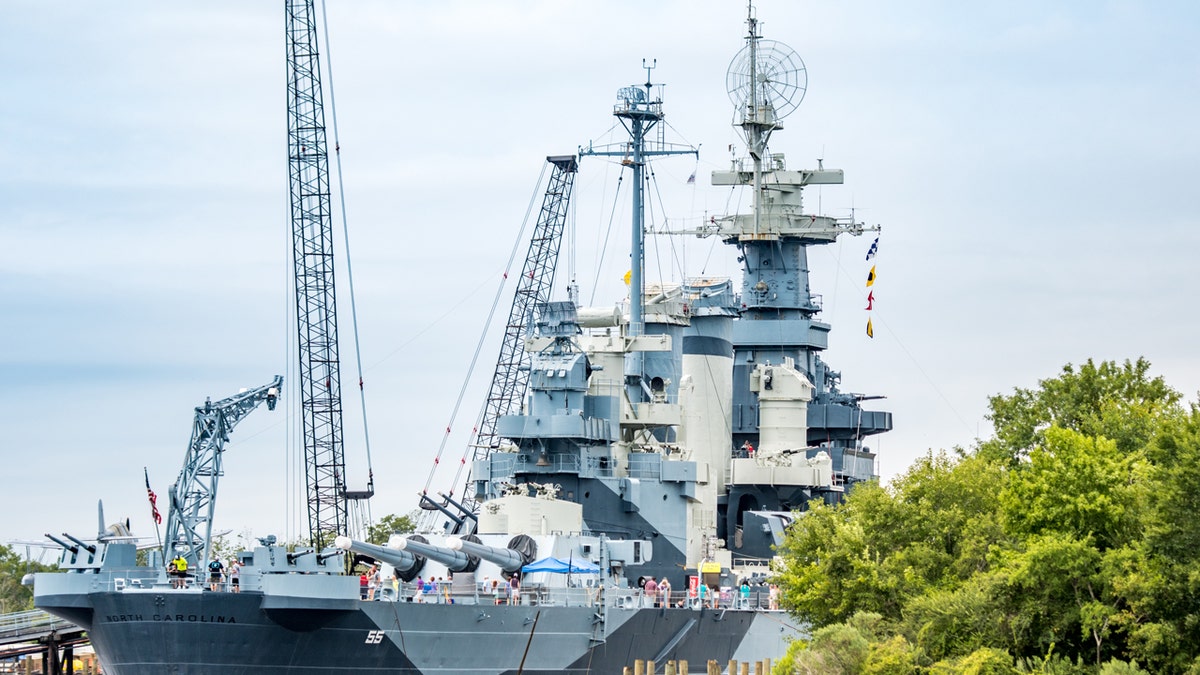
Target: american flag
(153, 499)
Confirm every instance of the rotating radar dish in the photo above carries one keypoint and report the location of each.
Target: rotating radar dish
(780, 83)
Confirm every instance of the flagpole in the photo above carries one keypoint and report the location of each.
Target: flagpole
(154, 512)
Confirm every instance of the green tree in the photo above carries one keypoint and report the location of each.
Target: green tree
(1119, 402)
(1078, 485)
(1068, 540)
(838, 649)
(983, 661)
(950, 623)
(14, 596)
(380, 532)
(1163, 584)
(891, 656)
(932, 528)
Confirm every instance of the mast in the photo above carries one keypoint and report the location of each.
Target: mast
(316, 308)
(767, 81)
(639, 111)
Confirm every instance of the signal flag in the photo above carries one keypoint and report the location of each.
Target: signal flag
(873, 250)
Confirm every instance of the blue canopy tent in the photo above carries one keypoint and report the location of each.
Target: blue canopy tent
(559, 566)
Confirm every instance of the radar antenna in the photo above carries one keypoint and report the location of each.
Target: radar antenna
(766, 82)
(766, 75)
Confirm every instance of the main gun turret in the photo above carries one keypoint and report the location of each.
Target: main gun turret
(407, 565)
(455, 561)
(521, 551)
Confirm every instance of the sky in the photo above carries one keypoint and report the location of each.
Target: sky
(1032, 165)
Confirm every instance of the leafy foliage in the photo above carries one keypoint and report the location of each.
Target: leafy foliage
(387, 526)
(1066, 543)
(15, 597)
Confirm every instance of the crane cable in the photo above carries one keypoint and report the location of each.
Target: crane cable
(337, 151)
(479, 345)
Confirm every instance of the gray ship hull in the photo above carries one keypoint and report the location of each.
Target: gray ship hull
(143, 632)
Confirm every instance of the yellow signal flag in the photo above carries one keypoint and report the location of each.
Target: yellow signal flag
(871, 276)
(628, 277)
(870, 329)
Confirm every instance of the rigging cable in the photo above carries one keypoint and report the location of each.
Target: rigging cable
(604, 248)
(337, 153)
(291, 480)
(482, 338)
(679, 262)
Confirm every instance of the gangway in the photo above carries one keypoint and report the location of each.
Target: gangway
(36, 632)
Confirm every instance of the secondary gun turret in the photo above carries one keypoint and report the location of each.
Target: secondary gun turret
(521, 551)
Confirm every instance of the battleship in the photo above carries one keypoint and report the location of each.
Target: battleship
(635, 472)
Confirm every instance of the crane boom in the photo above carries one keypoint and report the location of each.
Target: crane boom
(193, 497)
(316, 309)
(511, 377)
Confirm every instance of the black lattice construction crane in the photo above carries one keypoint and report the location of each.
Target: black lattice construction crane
(316, 308)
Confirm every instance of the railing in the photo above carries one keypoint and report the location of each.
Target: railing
(480, 592)
(620, 598)
(17, 624)
(651, 470)
(505, 464)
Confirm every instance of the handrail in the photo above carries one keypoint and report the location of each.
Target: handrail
(18, 623)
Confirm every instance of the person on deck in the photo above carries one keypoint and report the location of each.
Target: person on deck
(179, 568)
(215, 572)
(376, 583)
(514, 590)
(372, 577)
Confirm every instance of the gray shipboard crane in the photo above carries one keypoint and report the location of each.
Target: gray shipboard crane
(193, 497)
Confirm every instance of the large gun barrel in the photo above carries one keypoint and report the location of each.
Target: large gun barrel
(506, 558)
(401, 560)
(455, 561)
